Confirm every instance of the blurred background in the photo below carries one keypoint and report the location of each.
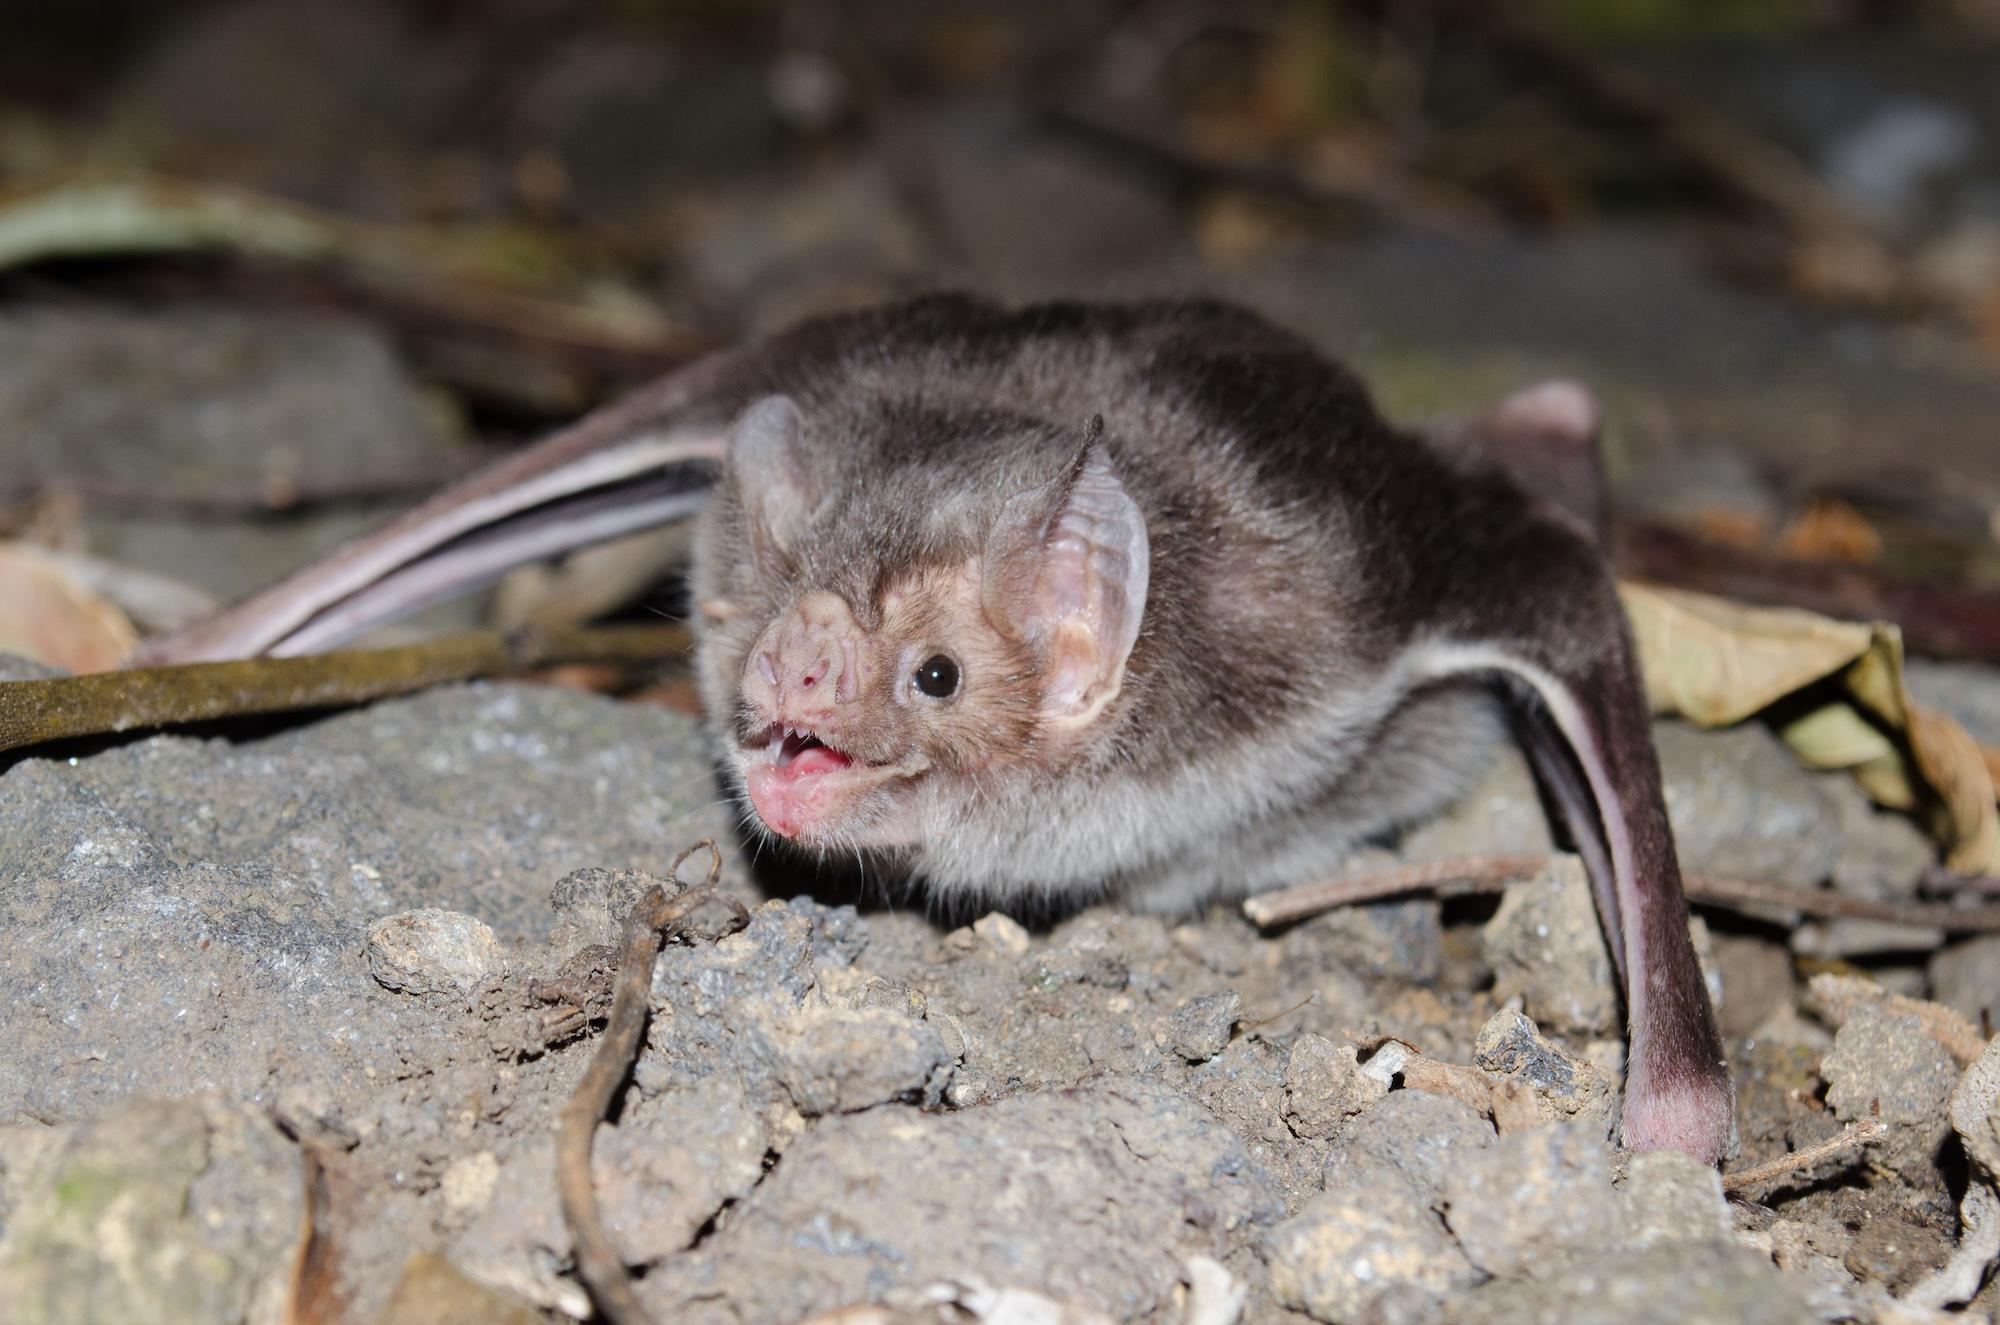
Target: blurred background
(271, 268)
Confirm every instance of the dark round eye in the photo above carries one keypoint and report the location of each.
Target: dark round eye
(937, 676)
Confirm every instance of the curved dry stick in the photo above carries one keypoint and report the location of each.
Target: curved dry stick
(654, 919)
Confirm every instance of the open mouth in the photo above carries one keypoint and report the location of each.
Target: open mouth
(798, 752)
(802, 787)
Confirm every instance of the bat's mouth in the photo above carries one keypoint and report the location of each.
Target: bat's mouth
(806, 788)
(798, 752)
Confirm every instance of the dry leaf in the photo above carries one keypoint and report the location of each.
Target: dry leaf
(48, 615)
(1831, 530)
(1716, 662)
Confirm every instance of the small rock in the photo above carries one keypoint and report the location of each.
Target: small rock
(1884, 1066)
(839, 1060)
(1413, 1134)
(429, 950)
(1757, 980)
(1883, 853)
(591, 905)
(1966, 977)
(467, 1183)
(665, 1170)
(1532, 1202)
(1003, 933)
(1741, 804)
(1095, 1194)
(1199, 1028)
(1671, 1197)
(1564, 1087)
(1339, 1255)
(1325, 1086)
(1894, 1252)
(1848, 937)
(1547, 949)
(1712, 1283)
(1391, 940)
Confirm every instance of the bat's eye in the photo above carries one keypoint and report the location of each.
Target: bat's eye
(937, 677)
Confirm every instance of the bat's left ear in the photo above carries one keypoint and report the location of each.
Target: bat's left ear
(1066, 568)
(767, 464)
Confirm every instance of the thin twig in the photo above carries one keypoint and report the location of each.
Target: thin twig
(32, 712)
(654, 919)
(1941, 882)
(1852, 1137)
(1463, 875)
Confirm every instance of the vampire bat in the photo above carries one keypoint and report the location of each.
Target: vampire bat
(1135, 600)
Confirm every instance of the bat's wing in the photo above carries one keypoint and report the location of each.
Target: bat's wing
(643, 461)
(1529, 597)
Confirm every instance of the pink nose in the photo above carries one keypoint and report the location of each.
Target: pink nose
(808, 660)
(815, 672)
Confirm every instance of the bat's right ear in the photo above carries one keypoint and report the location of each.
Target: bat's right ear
(1544, 438)
(767, 465)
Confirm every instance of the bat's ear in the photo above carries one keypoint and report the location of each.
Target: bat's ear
(767, 464)
(1544, 437)
(1066, 568)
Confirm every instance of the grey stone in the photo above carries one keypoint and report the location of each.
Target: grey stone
(14, 667)
(1416, 1135)
(1742, 805)
(195, 400)
(1756, 979)
(1883, 853)
(1711, 1283)
(1565, 1088)
(1547, 949)
(661, 1175)
(1965, 976)
(1669, 1197)
(188, 914)
(1325, 1086)
(1346, 1249)
(838, 1060)
(431, 950)
(1200, 1027)
(1532, 1202)
(1884, 1066)
(1094, 1195)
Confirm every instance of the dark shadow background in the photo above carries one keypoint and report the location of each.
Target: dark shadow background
(1766, 232)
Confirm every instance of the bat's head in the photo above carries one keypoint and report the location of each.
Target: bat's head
(870, 686)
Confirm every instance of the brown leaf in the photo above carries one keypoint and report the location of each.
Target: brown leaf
(1716, 662)
(48, 615)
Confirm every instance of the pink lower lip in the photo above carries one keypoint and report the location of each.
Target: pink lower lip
(811, 761)
(788, 788)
